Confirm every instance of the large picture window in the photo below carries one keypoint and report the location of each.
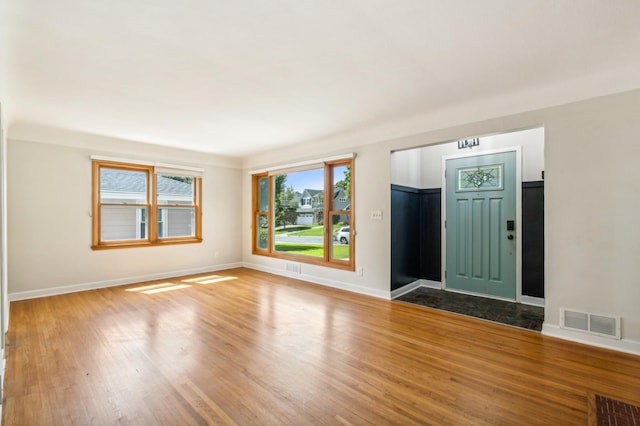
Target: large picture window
(141, 205)
(306, 214)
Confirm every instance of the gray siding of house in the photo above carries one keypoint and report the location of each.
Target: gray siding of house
(179, 222)
(119, 223)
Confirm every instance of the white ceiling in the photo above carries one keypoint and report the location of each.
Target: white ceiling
(240, 77)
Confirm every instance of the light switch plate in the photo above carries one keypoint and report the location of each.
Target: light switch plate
(376, 214)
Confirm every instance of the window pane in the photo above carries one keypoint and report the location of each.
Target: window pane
(263, 195)
(342, 188)
(123, 186)
(176, 222)
(299, 212)
(175, 190)
(161, 228)
(123, 223)
(263, 232)
(341, 237)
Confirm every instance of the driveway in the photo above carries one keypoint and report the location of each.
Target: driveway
(298, 239)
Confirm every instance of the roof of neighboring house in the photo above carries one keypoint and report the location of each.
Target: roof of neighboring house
(312, 192)
(113, 180)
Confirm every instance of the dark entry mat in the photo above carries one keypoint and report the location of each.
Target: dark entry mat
(607, 411)
(509, 313)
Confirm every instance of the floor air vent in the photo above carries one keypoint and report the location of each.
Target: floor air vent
(591, 323)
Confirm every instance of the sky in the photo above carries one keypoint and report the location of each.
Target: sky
(311, 179)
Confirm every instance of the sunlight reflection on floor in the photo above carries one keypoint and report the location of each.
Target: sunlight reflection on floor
(158, 288)
(168, 286)
(209, 279)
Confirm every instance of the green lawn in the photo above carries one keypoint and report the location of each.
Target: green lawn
(292, 228)
(339, 251)
(308, 231)
(316, 231)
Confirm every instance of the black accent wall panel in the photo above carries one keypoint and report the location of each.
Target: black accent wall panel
(430, 234)
(533, 239)
(415, 235)
(405, 236)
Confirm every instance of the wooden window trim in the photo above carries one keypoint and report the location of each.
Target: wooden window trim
(328, 211)
(152, 210)
(255, 202)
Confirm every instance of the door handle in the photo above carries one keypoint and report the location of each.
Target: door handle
(510, 237)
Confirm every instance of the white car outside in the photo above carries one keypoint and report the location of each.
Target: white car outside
(342, 235)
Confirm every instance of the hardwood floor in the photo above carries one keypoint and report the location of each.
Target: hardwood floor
(245, 347)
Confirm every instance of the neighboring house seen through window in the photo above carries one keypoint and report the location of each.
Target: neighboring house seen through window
(298, 213)
(138, 205)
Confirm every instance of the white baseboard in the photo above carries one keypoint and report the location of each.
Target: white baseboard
(622, 345)
(322, 281)
(32, 294)
(412, 286)
(407, 288)
(431, 284)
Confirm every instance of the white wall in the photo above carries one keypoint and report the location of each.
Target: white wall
(422, 167)
(406, 167)
(49, 190)
(592, 196)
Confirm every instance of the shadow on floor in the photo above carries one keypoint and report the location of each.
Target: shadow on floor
(509, 313)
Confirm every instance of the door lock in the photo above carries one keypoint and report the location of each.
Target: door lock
(510, 237)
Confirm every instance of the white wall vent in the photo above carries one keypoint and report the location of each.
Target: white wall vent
(601, 325)
(293, 268)
(577, 320)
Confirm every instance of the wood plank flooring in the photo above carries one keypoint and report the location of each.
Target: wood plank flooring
(245, 347)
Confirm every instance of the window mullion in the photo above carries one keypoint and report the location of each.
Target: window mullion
(197, 206)
(327, 206)
(152, 200)
(96, 205)
(270, 216)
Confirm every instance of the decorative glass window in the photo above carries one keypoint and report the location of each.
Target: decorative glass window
(482, 178)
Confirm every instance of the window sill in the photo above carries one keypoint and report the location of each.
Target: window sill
(168, 242)
(335, 264)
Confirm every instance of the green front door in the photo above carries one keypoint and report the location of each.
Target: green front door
(480, 224)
